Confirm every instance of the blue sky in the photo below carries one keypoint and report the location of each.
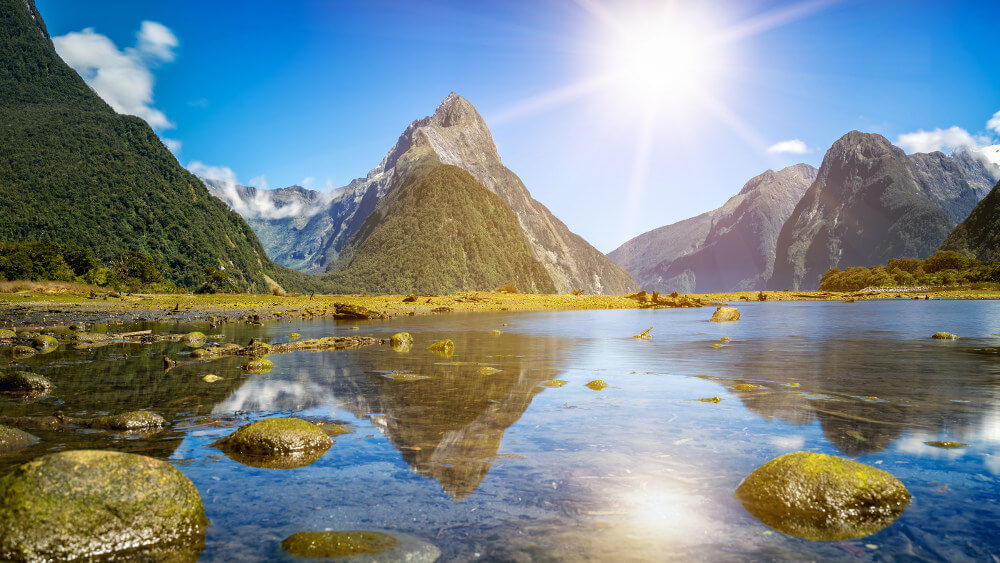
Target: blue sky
(322, 89)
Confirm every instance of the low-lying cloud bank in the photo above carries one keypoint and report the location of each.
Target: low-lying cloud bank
(255, 202)
(986, 145)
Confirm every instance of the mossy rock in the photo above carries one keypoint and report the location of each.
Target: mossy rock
(443, 348)
(90, 504)
(276, 443)
(555, 383)
(944, 336)
(747, 387)
(294, 336)
(401, 341)
(496, 332)
(44, 342)
(597, 384)
(725, 339)
(725, 314)
(258, 365)
(256, 349)
(488, 370)
(90, 337)
(21, 352)
(360, 545)
(947, 444)
(710, 399)
(7, 334)
(211, 378)
(24, 383)
(12, 439)
(194, 339)
(129, 421)
(822, 497)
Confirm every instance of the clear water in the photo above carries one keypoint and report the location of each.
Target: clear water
(499, 467)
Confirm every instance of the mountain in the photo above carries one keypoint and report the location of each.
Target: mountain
(438, 231)
(280, 217)
(869, 203)
(979, 233)
(727, 249)
(74, 171)
(455, 135)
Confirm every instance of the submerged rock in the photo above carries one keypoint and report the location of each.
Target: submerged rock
(212, 352)
(89, 504)
(444, 348)
(944, 336)
(12, 439)
(555, 383)
(361, 545)
(710, 399)
(747, 387)
(488, 370)
(24, 383)
(276, 443)
(21, 352)
(44, 342)
(7, 334)
(194, 339)
(211, 378)
(258, 365)
(947, 444)
(725, 314)
(294, 336)
(822, 497)
(129, 421)
(597, 384)
(401, 341)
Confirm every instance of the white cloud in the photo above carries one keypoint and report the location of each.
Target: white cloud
(124, 79)
(791, 146)
(261, 205)
(937, 140)
(308, 182)
(994, 122)
(259, 182)
(173, 145)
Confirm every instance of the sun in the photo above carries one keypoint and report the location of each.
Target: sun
(659, 57)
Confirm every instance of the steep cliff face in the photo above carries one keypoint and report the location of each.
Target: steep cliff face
(455, 135)
(870, 202)
(74, 171)
(727, 249)
(979, 233)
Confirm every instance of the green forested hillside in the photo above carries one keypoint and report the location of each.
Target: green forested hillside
(979, 234)
(439, 231)
(73, 171)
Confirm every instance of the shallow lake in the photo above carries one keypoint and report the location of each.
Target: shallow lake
(499, 466)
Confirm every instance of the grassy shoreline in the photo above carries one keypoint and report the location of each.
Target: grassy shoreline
(52, 303)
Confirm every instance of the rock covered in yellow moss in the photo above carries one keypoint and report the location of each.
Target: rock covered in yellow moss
(725, 314)
(822, 497)
(597, 384)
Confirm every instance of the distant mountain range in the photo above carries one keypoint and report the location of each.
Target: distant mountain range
(74, 171)
(456, 135)
(871, 202)
(727, 249)
(867, 203)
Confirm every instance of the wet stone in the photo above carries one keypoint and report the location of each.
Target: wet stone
(129, 421)
(258, 365)
(7, 334)
(822, 497)
(21, 352)
(24, 383)
(445, 348)
(360, 545)
(89, 504)
(944, 336)
(276, 443)
(12, 439)
(597, 384)
(725, 314)
(194, 339)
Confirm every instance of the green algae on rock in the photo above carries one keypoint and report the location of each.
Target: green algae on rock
(44, 342)
(294, 336)
(747, 387)
(597, 384)
(13, 438)
(822, 497)
(194, 339)
(24, 383)
(944, 336)
(258, 365)
(710, 399)
(401, 341)
(7, 334)
(443, 348)
(405, 376)
(211, 378)
(21, 352)
(129, 421)
(276, 443)
(724, 314)
(725, 339)
(488, 370)
(947, 444)
(360, 545)
(555, 383)
(89, 504)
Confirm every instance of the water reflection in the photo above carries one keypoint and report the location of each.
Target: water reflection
(447, 417)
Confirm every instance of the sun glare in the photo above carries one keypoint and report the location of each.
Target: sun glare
(659, 57)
